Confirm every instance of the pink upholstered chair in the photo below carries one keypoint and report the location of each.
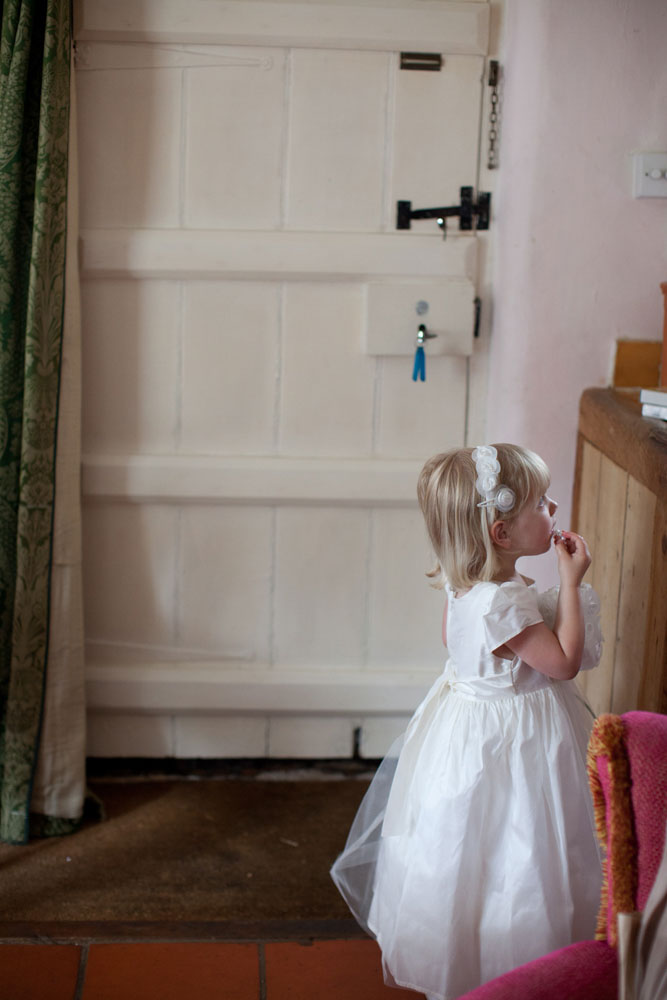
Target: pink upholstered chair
(627, 770)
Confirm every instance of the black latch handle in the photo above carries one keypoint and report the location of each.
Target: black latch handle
(466, 212)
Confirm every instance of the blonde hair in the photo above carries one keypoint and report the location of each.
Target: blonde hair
(457, 527)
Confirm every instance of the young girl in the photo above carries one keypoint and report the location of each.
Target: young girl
(474, 849)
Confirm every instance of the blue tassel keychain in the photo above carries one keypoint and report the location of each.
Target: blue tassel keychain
(419, 369)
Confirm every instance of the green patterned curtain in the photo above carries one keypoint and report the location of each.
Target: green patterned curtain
(34, 117)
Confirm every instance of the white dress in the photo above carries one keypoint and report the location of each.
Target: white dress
(474, 849)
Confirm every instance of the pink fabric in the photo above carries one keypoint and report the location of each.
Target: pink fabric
(583, 971)
(645, 737)
(646, 744)
(588, 970)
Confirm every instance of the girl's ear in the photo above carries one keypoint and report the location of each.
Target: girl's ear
(499, 534)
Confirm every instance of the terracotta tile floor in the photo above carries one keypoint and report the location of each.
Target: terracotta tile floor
(191, 970)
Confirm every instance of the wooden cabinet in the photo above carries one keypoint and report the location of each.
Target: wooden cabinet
(620, 507)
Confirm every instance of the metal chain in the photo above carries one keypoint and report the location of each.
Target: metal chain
(492, 161)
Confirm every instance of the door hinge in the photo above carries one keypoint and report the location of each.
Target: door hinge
(478, 316)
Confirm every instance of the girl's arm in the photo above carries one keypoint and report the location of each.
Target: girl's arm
(444, 623)
(558, 653)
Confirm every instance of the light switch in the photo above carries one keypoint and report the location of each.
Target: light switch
(650, 175)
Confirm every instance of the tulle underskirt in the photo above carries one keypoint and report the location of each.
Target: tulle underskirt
(474, 849)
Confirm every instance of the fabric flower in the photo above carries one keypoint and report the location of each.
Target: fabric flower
(487, 467)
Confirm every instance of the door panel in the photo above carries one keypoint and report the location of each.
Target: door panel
(436, 134)
(416, 427)
(229, 408)
(336, 140)
(234, 115)
(132, 339)
(327, 387)
(240, 165)
(129, 109)
(321, 585)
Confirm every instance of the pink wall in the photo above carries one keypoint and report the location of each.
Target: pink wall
(579, 260)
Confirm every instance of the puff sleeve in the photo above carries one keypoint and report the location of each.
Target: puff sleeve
(590, 608)
(512, 609)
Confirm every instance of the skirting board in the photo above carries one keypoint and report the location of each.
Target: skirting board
(186, 736)
(186, 710)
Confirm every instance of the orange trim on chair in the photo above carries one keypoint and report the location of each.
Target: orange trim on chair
(614, 823)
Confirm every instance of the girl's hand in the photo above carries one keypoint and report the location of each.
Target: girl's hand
(573, 557)
(557, 653)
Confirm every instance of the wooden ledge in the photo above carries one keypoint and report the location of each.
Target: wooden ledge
(613, 423)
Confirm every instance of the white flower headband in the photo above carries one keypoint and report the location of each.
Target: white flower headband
(487, 465)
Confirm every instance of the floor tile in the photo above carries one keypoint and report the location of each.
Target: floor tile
(172, 971)
(328, 970)
(38, 971)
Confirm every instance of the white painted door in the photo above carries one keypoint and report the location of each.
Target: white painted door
(251, 428)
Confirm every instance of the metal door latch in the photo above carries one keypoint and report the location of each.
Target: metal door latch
(466, 212)
(421, 60)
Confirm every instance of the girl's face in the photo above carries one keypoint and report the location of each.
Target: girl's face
(531, 531)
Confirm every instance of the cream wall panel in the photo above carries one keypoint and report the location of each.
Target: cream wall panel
(130, 168)
(418, 419)
(226, 566)
(434, 157)
(219, 736)
(291, 736)
(129, 735)
(405, 628)
(327, 384)
(336, 140)
(230, 353)
(188, 687)
(130, 352)
(406, 24)
(241, 479)
(130, 574)
(190, 253)
(320, 587)
(137, 55)
(233, 146)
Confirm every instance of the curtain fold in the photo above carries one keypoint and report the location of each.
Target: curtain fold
(59, 788)
(35, 49)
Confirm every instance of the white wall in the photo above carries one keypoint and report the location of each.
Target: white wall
(578, 260)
